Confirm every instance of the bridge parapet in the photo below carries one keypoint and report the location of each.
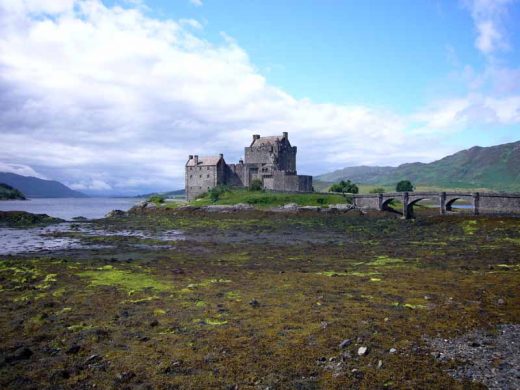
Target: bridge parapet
(486, 202)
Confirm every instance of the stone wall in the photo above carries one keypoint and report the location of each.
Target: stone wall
(498, 203)
(200, 179)
(235, 175)
(282, 181)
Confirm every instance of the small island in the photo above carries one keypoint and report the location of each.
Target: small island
(10, 193)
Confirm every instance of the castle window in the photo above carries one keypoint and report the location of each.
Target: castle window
(200, 176)
(208, 167)
(208, 175)
(191, 176)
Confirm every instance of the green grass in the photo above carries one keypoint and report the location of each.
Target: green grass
(270, 199)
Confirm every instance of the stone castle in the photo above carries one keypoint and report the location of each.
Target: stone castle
(269, 159)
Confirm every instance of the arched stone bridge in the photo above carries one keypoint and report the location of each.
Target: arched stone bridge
(483, 202)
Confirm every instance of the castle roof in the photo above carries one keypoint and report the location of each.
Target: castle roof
(204, 161)
(271, 140)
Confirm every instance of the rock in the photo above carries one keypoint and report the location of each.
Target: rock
(73, 350)
(309, 208)
(362, 351)
(93, 359)
(22, 353)
(379, 363)
(501, 301)
(125, 376)
(150, 205)
(115, 214)
(290, 206)
(254, 303)
(392, 350)
(345, 343)
(324, 324)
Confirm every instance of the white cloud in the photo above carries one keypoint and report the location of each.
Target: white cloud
(197, 3)
(488, 16)
(20, 169)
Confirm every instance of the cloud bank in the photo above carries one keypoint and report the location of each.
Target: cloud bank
(111, 100)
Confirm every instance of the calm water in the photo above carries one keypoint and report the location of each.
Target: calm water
(68, 208)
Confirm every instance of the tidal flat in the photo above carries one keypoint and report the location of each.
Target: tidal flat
(263, 300)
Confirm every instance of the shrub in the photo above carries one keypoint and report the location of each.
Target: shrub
(320, 201)
(256, 185)
(344, 186)
(215, 192)
(404, 186)
(156, 199)
(378, 190)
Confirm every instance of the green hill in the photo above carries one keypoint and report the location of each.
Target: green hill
(494, 168)
(9, 193)
(34, 187)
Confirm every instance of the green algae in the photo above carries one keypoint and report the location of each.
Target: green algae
(469, 227)
(130, 281)
(215, 322)
(233, 295)
(385, 261)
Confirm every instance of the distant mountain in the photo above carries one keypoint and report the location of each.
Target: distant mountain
(495, 168)
(34, 187)
(9, 193)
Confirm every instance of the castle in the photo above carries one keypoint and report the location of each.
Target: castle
(269, 159)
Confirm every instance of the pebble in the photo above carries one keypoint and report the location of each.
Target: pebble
(392, 350)
(362, 351)
(345, 343)
(379, 363)
(254, 303)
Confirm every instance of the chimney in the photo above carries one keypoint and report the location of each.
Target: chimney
(221, 155)
(285, 135)
(256, 136)
(240, 161)
(190, 157)
(196, 159)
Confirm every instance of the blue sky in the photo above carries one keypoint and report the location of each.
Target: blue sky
(111, 96)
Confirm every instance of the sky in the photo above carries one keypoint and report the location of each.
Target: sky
(110, 97)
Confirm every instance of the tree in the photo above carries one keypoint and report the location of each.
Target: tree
(344, 186)
(256, 185)
(378, 190)
(404, 186)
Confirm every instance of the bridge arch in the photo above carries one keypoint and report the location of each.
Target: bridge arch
(449, 203)
(385, 205)
(409, 206)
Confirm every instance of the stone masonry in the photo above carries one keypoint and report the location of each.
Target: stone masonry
(269, 159)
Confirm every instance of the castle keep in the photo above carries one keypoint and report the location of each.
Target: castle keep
(269, 159)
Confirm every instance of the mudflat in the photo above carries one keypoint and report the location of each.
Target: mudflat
(257, 300)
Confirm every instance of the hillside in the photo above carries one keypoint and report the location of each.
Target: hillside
(495, 168)
(34, 187)
(9, 193)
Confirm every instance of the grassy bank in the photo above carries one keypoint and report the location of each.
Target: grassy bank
(269, 199)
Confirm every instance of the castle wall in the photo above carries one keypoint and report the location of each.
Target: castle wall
(282, 181)
(259, 154)
(200, 179)
(234, 175)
